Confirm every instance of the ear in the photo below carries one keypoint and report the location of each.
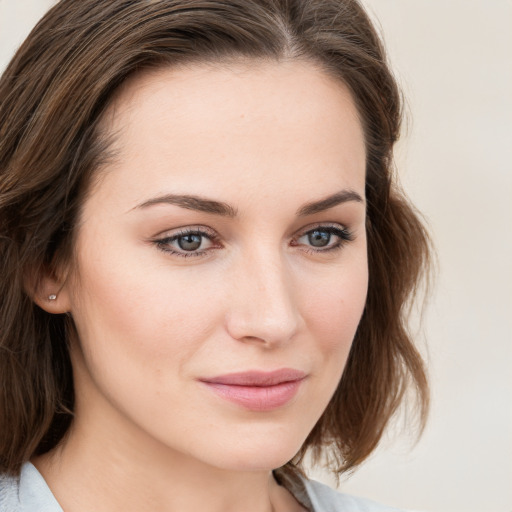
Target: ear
(49, 291)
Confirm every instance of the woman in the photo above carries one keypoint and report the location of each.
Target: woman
(205, 259)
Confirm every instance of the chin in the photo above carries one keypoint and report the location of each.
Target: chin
(253, 453)
(254, 462)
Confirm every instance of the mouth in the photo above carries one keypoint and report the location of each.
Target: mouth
(257, 390)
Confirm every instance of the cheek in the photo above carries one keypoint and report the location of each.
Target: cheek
(334, 310)
(139, 313)
(140, 327)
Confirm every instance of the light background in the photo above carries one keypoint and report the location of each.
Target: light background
(454, 60)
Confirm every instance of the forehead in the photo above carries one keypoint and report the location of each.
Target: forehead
(252, 123)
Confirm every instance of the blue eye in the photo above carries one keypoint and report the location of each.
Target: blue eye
(325, 238)
(196, 242)
(186, 243)
(190, 242)
(319, 238)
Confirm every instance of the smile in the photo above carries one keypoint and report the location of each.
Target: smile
(258, 391)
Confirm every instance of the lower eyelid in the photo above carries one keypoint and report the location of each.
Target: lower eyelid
(165, 247)
(343, 234)
(204, 236)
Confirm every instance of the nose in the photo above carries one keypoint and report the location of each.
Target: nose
(262, 306)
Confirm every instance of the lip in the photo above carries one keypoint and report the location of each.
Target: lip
(257, 390)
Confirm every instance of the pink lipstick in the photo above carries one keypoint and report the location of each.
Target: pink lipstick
(257, 390)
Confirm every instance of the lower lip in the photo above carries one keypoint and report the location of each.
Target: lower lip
(255, 398)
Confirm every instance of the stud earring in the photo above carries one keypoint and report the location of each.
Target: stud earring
(52, 297)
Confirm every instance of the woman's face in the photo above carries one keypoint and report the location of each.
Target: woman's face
(221, 266)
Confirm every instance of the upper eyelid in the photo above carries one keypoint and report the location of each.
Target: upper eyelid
(343, 232)
(165, 240)
(205, 230)
(166, 236)
(185, 230)
(317, 225)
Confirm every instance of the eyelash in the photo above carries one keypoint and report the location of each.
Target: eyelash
(164, 243)
(343, 234)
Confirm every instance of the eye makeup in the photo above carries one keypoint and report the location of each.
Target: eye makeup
(198, 241)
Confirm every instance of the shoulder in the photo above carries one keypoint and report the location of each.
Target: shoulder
(9, 494)
(325, 499)
(28, 493)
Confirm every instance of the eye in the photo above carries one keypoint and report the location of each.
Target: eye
(186, 243)
(324, 238)
(319, 238)
(190, 242)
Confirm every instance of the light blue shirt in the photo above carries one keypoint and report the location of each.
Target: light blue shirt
(30, 493)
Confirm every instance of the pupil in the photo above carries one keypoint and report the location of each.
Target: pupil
(319, 238)
(189, 242)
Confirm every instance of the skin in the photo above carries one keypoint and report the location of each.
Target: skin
(266, 138)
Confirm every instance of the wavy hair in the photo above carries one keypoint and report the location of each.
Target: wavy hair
(52, 98)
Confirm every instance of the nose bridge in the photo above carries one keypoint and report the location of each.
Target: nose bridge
(263, 305)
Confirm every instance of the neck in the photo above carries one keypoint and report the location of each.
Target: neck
(108, 462)
(120, 471)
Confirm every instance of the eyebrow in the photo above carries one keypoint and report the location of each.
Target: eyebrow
(190, 202)
(329, 202)
(201, 204)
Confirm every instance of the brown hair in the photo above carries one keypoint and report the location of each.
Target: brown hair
(52, 97)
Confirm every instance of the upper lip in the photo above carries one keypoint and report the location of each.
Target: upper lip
(257, 378)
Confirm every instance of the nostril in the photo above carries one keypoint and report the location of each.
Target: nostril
(267, 325)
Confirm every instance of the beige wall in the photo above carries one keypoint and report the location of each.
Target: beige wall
(454, 60)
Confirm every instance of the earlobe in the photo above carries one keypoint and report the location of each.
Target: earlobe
(55, 303)
(49, 293)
